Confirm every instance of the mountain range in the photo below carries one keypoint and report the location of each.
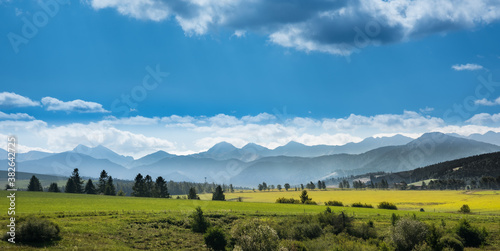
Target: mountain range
(252, 164)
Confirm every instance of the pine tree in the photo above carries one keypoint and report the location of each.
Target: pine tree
(323, 185)
(110, 188)
(161, 188)
(35, 185)
(320, 186)
(279, 187)
(70, 186)
(139, 186)
(77, 181)
(148, 186)
(304, 197)
(89, 188)
(218, 194)
(192, 194)
(101, 186)
(54, 188)
(231, 188)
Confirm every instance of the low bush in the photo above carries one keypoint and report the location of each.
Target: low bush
(387, 205)
(365, 231)
(199, 223)
(287, 200)
(465, 209)
(33, 230)
(334, 203)
(471, 236)
(303, 231)
(254, 235)
(292, 245)
(359, 204)
(215, 239)
(451, 242)
(408, 233)
(334, 223)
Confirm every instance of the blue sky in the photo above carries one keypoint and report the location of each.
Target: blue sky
(291, 69)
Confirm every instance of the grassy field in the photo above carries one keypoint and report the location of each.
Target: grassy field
(121, 223)
(438, 201)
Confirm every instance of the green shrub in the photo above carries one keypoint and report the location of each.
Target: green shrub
(464, 209)
(254, 236)
(359, 204)
(215, 239)
(199, 223)
(365, 231)
(33, 230)
(310, 202)
(334, 223)
(387, 205)
(451, 242)
(471, 236)
(303, 231)
(287, 200)
(292, 245)
(334, 203)
(408, 233)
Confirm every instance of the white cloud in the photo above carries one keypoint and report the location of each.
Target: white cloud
(140, 9)
(335, 27)
(11, 99)
(137, 120)
(467, 67)
(259, 118)
(407, 121)
(53, 104)
(426, 109)
(15, 116)
(487, 102)
(66, 137)
(484, 118)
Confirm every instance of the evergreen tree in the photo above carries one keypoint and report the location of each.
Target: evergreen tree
(264, 186)
(148, 186)
(192, 194)
(70, 186)
(77, 181)
(279, 188)
(261, 187)
(161, 188)
(89, 188)
(139, 186)
(301, 186)
(101, 186)
(110, 188)
(35, 185)
(54, 188)
(218, 194)
(323, 185)
(341, 185)
(304, 197)
(320, 186)
(231, 188)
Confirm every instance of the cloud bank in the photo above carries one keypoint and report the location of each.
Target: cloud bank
(335, 27)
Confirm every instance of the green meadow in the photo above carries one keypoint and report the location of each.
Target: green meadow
(119, 223)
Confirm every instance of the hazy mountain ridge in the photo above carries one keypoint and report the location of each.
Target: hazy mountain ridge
(223, 164)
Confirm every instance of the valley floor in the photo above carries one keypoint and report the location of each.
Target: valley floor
(121, 223)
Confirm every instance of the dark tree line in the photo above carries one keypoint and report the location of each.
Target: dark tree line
(146, 187)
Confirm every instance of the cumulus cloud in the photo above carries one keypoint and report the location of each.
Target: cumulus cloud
(11, 99)
(78, 105)
(336, 27)
(487, 102)
(484, 118)
(467, 67)
(92, 134)
(15, 116)
(409, 120)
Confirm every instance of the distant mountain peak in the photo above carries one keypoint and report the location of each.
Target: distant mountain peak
(222, 146)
